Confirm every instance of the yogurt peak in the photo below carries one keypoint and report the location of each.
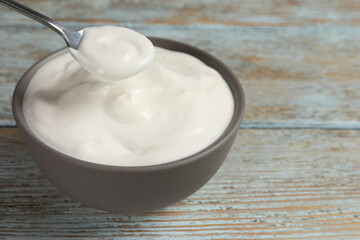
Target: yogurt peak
(113, 53)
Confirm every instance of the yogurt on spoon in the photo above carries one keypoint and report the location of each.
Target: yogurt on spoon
(109, 53)
(113, 53)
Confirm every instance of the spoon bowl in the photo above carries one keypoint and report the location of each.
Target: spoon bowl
(131, 51)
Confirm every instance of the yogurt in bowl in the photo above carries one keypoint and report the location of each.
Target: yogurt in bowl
(127, 184)
(174, 108)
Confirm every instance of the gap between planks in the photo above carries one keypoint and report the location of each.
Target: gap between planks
(286, 125)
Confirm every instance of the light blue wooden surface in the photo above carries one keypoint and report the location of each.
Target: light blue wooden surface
(308, 187)
(294, 170)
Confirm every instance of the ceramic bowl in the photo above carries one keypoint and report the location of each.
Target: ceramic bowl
(131, 189)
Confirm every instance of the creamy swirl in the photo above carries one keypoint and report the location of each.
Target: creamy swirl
(113, 53)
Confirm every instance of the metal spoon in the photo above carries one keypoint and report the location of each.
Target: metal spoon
(71, 38)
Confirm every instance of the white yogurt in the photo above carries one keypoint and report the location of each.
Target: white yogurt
(174, 108)
(113, 53)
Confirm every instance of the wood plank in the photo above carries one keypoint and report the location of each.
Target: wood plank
(225, 12)
(278, 184)
(293, 76)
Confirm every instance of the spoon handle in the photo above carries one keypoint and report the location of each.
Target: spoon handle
(31, 13)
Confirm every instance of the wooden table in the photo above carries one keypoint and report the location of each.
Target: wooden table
(294, 170)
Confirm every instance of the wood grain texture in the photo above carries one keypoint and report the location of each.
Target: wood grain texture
(275, 184)
(226, 12)
(303, 74)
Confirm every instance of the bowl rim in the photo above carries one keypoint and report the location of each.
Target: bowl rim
(236, 90)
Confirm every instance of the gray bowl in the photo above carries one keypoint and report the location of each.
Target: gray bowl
(131, 189)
